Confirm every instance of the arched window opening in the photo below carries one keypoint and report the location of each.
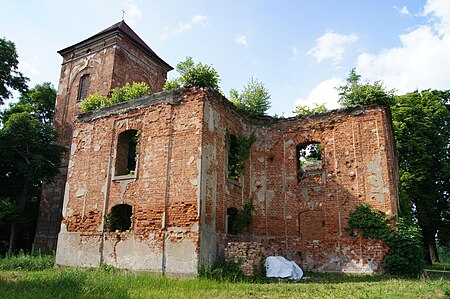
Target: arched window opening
(309, 159)
(126, 156)
(83, 88)
(120, 218)
(232, 221)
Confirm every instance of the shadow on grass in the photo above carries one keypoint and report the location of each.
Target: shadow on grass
(65, 284)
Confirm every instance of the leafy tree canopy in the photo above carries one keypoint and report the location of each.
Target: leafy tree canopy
(356, 93)
(28, 157)
(192, 74)
(422, 127)
(255, 98)
(301, 110)
(10, 77)
(39, 101)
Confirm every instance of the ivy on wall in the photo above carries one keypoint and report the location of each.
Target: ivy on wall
(404, 239)
(238, 151)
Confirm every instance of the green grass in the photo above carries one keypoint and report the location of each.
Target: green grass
(33, 276)
(27, 262)
(110, 283)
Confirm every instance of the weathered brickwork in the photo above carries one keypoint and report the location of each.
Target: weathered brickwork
(304, 218)
(111, 58)
(177, 196)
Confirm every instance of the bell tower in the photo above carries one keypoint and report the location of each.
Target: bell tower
(98, 64)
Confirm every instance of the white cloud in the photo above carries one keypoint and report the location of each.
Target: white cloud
(422, 60)
(332, 45)
(403, 10)
(242, 40)
(324, 93)
(132, 12)
(440, 9)
(196, 20)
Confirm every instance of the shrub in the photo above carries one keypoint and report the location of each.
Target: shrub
(192, 74)
(406, 254)
(254, 99)
(118, 95)
(93, 102)
(27, 262)
(129, 92)
(304, 110)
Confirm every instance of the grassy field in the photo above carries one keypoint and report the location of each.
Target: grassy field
(33, 276)
(108, 283)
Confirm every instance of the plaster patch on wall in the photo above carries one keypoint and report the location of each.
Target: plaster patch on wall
(375, 179)
(73, 148)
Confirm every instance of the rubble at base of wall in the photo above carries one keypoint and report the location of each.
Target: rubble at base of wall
(250, 255)
(363, 258)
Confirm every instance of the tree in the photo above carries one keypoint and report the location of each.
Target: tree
(422, 128)
(421, 123)
(28, 157)
(355, 93)
(42, 98)
(255, 98)
(10, 77)
(192, 74)
(38, 101)
(307, 110)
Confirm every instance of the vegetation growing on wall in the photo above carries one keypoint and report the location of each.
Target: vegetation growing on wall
(119, 94)
(192, 74)
(372, 223)
(255, 98)
(244, 218)
(303, 110)
(238, 151)
(356, 93)
(404, 239)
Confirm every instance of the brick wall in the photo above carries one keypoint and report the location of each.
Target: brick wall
(305, 218)
(181, 191)
(163, 192)
(111, 61)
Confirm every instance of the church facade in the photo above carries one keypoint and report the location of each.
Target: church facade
(154, 184)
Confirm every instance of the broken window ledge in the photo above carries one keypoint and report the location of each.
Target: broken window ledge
(124, 177)
(234, 182)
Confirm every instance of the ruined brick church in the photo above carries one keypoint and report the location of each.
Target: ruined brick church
(145, 184)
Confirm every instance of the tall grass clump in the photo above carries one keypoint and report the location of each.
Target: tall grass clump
(27, 262)
(229, 271)
(222, 270)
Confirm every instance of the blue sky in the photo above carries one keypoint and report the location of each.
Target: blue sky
(301, 50)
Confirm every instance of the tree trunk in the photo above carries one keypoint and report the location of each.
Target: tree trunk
(12, 238)
(431, 255)
(434, 257)
(21, 204)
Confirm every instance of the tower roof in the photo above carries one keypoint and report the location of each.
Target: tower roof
(129, 33)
